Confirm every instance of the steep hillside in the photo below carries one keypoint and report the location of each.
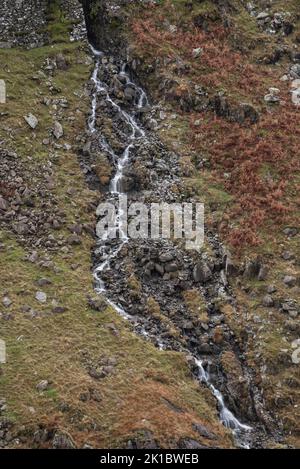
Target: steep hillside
(218, 124)
(76, 374)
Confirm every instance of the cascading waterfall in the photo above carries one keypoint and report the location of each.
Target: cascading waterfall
(110, 251)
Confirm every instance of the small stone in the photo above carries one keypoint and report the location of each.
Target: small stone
(84, 396)
(160, 269)
(268, 301)
(58, 130)
(295, 71)
(31, 120)
(33, 257)
(63, 440)
(98, 303)
(95, 395)
(271, 98)
(202, 272)
(42, 385)
(199, 428)
(166, 257)
(205, 348)
(3, 204)
(296, 97)
(74, 240)
(41, 282)
(290, 231)
(263, 272)
(289, 280)
(59, 309)
(263, 16)
(171, 267)
(61, 62)
(252, 269)
(6, 302)
(97, 373)
(287, 255)
(197, 52)
(271, 289)
(41, 297)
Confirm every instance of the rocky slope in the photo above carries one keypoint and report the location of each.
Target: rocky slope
(221, 128)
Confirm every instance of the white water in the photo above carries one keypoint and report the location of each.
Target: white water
(226, 416)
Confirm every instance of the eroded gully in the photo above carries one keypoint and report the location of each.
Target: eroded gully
(129, 145)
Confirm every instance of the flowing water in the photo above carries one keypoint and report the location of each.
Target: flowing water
(110, 251)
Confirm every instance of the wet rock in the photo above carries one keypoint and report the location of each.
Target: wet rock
(31, 120)
(202, 272)
(63, 440)
(129, 93)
